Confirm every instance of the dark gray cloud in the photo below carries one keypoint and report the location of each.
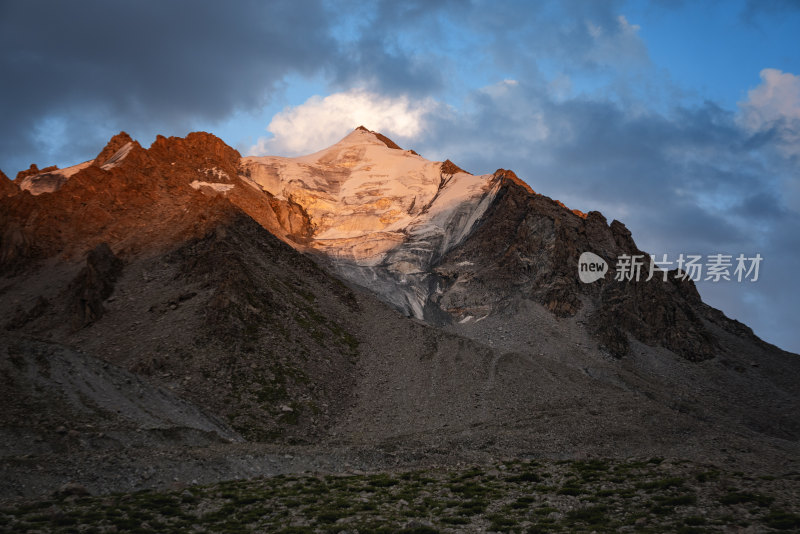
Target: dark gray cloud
(575, 34)
(88, 70)
(105, 65)
(384, 45)
(77, 73)
(761, 206)
(374, 62)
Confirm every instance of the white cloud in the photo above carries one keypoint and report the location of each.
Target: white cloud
(320, 122)
(615, 45)
(500, 89)
(775, 104)
(774, 107)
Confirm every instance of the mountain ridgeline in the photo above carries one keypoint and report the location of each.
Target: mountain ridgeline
(432, 240)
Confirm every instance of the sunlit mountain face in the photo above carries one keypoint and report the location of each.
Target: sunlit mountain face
(383, 214)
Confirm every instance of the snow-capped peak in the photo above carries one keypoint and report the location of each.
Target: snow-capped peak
(375, 207)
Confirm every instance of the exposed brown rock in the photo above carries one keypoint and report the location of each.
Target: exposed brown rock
(293, 218)
(448, 167)
(7, 187)
(196, 149)
(385, 140)
(512, 177)
(31, 171)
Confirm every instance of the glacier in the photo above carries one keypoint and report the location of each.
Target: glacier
(380, 215)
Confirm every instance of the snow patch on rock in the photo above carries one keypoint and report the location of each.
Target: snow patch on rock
(215, 172)
(221, 188)
(118, 156)
(48, 182)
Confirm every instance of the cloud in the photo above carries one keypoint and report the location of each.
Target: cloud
(772, 114)
(776, 98)
(320, 122)
(617, 43)
(774, 108)
(571, 35)
(152, 67)
(147, 66)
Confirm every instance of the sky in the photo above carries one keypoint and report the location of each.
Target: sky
(681, 119)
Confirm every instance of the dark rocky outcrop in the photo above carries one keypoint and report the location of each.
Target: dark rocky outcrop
(14, 244)
(385, 140)
(93, 285)
(448, 167)
(528, 245)
(33, 170)
(23, 316)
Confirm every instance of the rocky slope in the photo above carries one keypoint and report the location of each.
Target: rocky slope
(211, 282)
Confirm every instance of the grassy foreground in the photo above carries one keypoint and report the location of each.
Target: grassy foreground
(514, 496)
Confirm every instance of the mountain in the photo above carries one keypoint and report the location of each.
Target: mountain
(211, 314)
